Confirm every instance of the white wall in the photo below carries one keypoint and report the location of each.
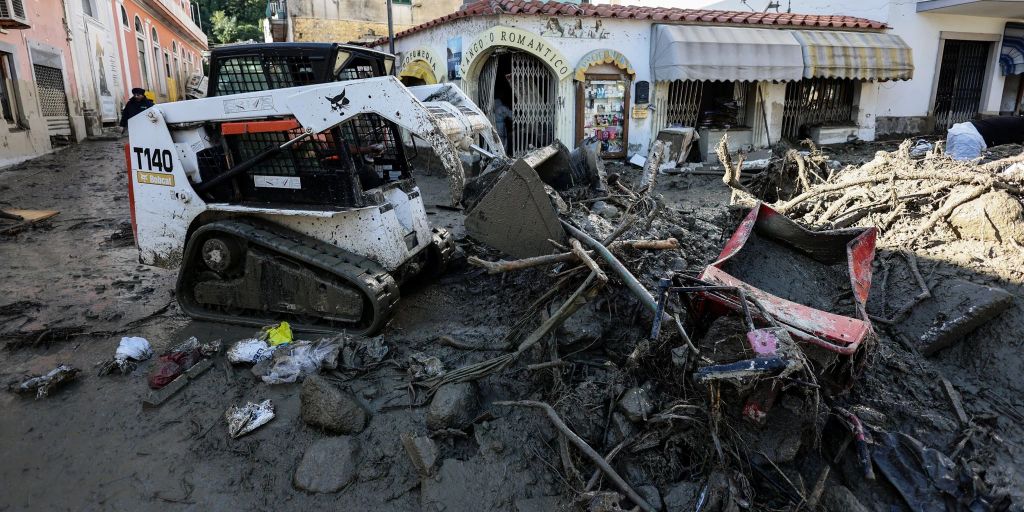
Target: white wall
(922, 32)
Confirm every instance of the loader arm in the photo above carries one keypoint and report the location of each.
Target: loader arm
(440, 124)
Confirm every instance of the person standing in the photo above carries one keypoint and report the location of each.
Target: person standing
(136, 104)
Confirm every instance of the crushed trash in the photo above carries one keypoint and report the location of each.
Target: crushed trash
(249, 417)
(131, 350)
(293, 361)
(250, 351)
(43, 385)
(422, 366)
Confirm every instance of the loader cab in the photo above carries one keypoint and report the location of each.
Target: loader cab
(242, 68)
(346, 166)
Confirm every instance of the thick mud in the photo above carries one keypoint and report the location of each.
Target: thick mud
(72, 287)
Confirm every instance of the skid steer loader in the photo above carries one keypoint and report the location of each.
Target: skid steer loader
(286, 193)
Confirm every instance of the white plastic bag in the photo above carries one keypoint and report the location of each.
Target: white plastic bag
(133, 347)
(250, 351)
(294, 361)
(249, 417)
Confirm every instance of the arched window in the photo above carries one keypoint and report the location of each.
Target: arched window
(124, 19)
(140, 44)
(174, 46)
(156, 39)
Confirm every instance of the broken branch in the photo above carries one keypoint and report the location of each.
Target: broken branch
(586, 449)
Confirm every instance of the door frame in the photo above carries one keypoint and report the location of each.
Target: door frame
(992, 60)
(581, 103)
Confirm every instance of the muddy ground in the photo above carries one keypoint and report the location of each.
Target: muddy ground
(71, 287)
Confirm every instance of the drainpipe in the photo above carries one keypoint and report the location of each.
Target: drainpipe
(391, 29)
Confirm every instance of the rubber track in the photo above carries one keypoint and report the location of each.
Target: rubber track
(369, 277)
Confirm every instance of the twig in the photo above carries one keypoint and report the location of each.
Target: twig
(495, 267)
(819, 488)
(577, 249)
(611, 455)
(586, 449)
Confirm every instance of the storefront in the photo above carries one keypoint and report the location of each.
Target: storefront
(604, 79)
(576, 72)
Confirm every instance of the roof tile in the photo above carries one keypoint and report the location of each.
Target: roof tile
(553, 8)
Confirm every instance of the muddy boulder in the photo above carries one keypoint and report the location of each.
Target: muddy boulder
(994, 216)
(681, 496)
(325, 406)
(453, 406)
(328, 465)
(637, 404)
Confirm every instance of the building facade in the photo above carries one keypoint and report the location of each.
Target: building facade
(40, 106)
(969, 57)
(347, 21)
(160, 45)
(619, 74)
(67, 66)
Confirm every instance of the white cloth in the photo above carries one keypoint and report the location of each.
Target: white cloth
(964, 142)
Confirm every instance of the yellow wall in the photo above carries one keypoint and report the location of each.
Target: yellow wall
(339, 31)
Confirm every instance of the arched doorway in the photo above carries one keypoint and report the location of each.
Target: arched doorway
(417, 72)
(516, 77)
(520, 95)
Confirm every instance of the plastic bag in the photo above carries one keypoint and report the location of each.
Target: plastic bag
(279, 334)
(134, 348)
(963, 142)
(250, 351)
(171, 366)
(249, 417)
(293, 362)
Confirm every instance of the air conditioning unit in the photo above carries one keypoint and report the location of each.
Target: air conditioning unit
(12, 14)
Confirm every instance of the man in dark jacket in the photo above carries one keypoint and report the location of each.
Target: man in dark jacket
(136, 104)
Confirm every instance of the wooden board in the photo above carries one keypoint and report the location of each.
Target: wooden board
(8, 227)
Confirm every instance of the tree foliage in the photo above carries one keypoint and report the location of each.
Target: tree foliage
(229, 21)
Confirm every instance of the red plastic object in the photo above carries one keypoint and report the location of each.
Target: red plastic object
(833, 332)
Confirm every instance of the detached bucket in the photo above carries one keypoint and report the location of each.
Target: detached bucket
(511, 210)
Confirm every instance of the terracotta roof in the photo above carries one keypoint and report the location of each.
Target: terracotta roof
(658, 14)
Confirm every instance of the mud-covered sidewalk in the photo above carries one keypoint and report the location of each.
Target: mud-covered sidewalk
(71, 287)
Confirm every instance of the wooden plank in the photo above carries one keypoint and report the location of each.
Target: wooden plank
(29, 217)
(158, 397)
(954, 398)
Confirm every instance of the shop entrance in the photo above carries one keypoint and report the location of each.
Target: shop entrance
(602, 109)
(518, 93)
(961, 82)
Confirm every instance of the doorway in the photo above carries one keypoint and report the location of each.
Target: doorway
(518, 93)
(602, 112)
(961, 82)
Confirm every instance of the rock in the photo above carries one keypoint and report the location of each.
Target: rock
(636, 404)
(453, 406)
(585, 326)
(994, 216)
(326, 406)
(651, 495)
(327, 466)
(604, 209)
(838, 498)
(422, 451)
(955, 310)
(682, 496)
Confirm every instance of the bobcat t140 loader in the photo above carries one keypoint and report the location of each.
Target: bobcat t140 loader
(284, 201)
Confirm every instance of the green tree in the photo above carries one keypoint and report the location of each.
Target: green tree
(239, 20)
(229, 29)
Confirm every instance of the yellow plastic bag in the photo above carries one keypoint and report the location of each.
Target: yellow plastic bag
(278, 334)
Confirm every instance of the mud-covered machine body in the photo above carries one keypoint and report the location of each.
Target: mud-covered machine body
(286, 193)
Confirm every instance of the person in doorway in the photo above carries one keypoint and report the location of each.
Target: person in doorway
(136, 104)
(502, 118)
(966, 141)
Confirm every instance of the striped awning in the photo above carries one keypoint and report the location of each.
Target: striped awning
(855, 55)
(1011, 56)
(692, 52)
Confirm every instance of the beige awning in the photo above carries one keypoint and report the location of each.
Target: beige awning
(691, 52)
(857, 55)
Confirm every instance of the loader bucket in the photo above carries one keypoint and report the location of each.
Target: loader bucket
(513, 212)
